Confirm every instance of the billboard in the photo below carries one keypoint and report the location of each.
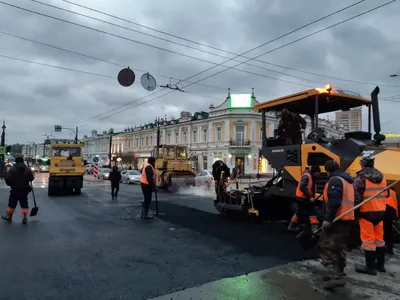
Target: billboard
(241, 101)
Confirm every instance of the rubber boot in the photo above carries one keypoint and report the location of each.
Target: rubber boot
(337, 273)
(7, 217)
(369, 267)
(292, 227)
(146, 214)
(380, 259)
(24, 218)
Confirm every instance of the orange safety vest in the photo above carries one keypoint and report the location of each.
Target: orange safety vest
(347, 200)
(378, 204)
(143, 178)
(299, 193)
(392, 201)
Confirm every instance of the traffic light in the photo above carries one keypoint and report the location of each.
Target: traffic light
(8, 150)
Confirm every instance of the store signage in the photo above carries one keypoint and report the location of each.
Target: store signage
(239, 152)
(143, 155)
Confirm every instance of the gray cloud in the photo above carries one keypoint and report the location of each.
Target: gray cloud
(35, 98)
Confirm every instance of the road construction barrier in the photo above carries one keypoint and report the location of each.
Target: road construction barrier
(96, 170)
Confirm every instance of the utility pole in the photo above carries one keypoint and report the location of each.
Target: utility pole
(3, 139)
(76, 135)
(158, 122)
(110, 132)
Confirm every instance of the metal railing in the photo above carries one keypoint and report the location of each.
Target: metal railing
(239, 143)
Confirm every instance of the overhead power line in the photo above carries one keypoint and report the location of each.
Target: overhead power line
(225, 51)
(86, 72)
(275, 39)
(57, 67)
(285, 45)
(141, 43)
(99, 59)
(173, 42)
(315, 32)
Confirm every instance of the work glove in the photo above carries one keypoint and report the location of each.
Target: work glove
(312, 199)
(326, 224)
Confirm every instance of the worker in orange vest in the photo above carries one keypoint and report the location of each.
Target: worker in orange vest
(148, 184)
(339, 198)
(392, 213)
(369, 181)
(305, 196)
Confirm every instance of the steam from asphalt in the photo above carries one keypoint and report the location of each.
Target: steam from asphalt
(200, 191)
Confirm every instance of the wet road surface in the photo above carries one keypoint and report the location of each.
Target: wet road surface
(90, 247)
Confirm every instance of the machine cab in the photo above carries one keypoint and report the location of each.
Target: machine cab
(170, 152)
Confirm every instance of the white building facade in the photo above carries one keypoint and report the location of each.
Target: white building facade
(223, 133)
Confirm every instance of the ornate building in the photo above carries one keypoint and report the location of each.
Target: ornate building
(228, 132)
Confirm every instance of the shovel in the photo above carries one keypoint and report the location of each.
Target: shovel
(308, 240)
(35, 209)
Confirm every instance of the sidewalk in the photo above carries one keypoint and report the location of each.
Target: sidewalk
(301, 281)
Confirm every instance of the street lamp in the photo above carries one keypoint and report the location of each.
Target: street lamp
(158, 122)
(110, 133)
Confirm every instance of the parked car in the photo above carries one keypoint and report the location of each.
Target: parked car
(204, 177)
(44, 168)
(104, 173)
(89, 169)
(130, 176)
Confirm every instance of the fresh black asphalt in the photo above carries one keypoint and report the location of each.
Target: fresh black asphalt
(90, 247)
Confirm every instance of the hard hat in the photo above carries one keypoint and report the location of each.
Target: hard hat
(367, 161)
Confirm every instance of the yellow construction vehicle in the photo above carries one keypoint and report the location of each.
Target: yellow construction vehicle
(173, 168)
(275, 199)
(66, 169)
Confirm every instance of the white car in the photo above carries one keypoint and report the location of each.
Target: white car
(130, 176)
(204, 177)
(104, 174)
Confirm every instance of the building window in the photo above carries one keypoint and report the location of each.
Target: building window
(205, 163)
(205, 137)
(169, 139)
(194, 136)
(240, 132)
(142, 141)
(176, 138)
(219, 133)
(137, 141)
(183, 137)
(147, 140)
(151, 140)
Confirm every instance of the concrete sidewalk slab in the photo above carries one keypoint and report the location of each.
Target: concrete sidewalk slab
(301, 281)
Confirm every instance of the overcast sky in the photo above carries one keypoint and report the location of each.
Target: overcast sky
(34, 98)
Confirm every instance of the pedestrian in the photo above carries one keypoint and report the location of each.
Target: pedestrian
(115, 178)
(391, 214)
(305, 196)
(339, 196)
(371, 215)
(148, 182)
(18, 178)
